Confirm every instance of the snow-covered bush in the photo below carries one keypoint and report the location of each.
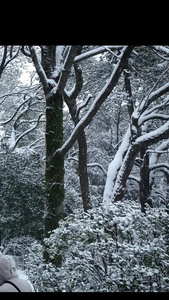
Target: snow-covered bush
(114, 250)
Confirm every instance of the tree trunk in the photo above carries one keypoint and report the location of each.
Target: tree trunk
(54, 167)
(54, 163)
(83, 174)
(144, 179)
(82, 160)
(123, 173)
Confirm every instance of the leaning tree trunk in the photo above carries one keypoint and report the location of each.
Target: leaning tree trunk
(123, 173)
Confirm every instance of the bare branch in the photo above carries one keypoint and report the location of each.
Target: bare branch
(92, 165)
(25, 51)
(134, 178)
(83, 105)
(159, 165)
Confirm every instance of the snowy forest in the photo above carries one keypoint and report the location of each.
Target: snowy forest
(84, 166)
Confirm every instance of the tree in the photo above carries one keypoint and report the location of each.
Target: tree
(8, 54)
(60, 70)
(53, 68)
(140, 133)
(22, 165)
(143, 146)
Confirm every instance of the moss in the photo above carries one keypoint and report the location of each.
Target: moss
(54, 163)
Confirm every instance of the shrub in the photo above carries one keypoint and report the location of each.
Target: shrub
(114, 250)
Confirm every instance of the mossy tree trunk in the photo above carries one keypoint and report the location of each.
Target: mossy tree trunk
(54, 163)
(54, 167)
(54, 173)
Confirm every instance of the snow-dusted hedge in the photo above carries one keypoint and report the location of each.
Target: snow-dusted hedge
(118, 250)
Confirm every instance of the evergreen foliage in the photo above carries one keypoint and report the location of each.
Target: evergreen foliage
(118, 250)
(21, 195)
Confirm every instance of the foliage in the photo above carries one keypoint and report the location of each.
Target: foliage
(21, 195)
(113, 250)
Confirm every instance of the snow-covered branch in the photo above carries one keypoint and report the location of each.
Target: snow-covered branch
(152, 117)
(38, 67)
(67, 67)
(100, 98)
(162, 49)
(97, 165)
(149, 112)
(14, 114)
(154, 136)
(96, 51)
(14, 143)
(148, 100)
(58, 61)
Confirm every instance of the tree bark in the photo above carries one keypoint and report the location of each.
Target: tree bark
(144, 179)
(54, 163)
(82, 144)
(83, 174)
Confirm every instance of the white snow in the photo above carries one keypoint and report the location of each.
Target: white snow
(113, 169)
